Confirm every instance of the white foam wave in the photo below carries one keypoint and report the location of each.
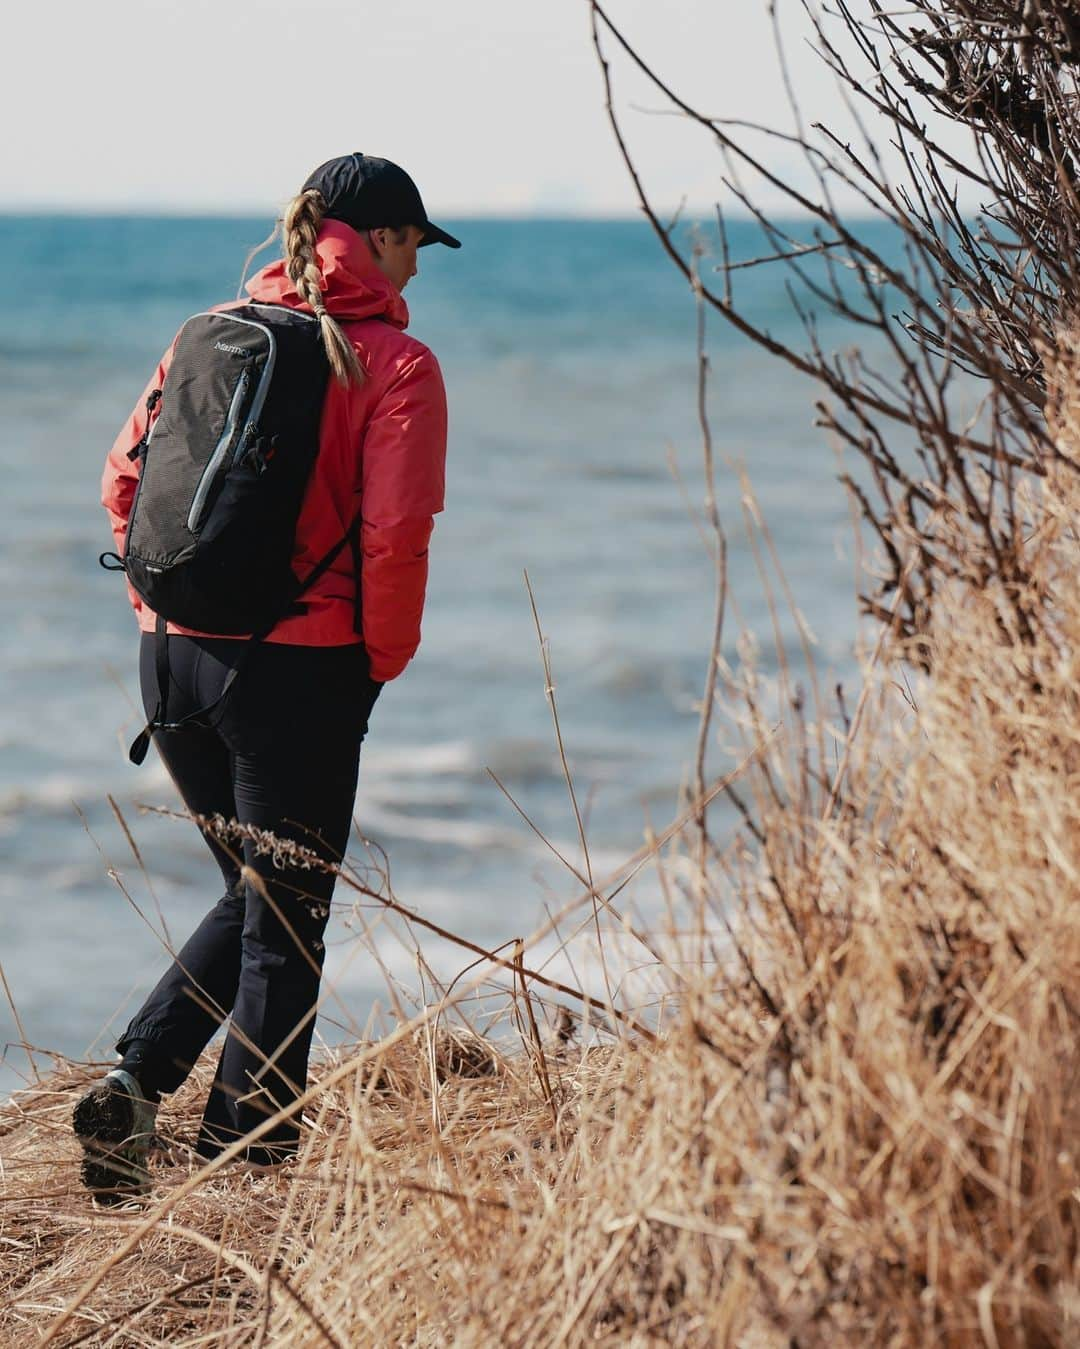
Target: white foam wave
(444, 759)
(53, 792)
(375, 819)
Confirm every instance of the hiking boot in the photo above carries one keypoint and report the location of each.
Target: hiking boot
(114, 1122)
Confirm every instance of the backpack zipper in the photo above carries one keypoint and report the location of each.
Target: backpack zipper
(220, 450)
(299, 313)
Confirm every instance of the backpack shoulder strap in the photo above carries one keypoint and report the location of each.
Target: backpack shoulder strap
(141, 743)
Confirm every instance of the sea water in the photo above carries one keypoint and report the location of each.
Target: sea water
(569, 353)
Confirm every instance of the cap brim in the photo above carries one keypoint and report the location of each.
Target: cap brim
(434, 235)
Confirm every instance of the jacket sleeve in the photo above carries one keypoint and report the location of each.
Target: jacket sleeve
(403, 459)
(121, 474)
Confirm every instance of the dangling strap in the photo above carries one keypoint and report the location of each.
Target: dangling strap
(159, 722)
(141, 743)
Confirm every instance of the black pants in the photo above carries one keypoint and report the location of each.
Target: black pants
(281, 756)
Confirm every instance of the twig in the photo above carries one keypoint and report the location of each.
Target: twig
(549, 693)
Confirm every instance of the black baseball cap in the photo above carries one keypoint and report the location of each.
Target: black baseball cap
(368, 193)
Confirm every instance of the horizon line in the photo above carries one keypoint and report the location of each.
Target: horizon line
(515, 214)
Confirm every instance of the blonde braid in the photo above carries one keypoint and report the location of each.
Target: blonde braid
(302, 219)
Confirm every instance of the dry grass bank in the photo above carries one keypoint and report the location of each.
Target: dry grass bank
(863, 1132)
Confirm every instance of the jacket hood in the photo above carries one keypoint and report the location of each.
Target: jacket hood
(353, 285)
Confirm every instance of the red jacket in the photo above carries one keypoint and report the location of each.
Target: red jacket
(382, 447)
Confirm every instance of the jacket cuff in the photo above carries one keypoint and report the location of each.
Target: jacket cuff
(384, 668)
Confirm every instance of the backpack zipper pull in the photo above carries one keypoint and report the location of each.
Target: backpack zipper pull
(249, 441)
(138, 451)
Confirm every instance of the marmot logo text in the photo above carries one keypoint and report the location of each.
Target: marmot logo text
(236, 351)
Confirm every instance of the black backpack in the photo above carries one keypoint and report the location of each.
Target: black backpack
(225, 463)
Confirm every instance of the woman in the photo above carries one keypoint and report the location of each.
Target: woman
(279, 753)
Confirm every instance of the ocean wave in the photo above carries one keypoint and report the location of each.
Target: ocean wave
(376, 819)
(442, 759)
(55, 793)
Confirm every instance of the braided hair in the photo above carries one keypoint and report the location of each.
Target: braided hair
(301, 222)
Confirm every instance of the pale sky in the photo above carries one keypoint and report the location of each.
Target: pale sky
(494, 106)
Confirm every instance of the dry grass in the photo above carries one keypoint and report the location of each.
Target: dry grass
(859, 1126)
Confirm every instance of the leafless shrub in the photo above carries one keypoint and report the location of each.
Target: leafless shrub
(950, 297)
